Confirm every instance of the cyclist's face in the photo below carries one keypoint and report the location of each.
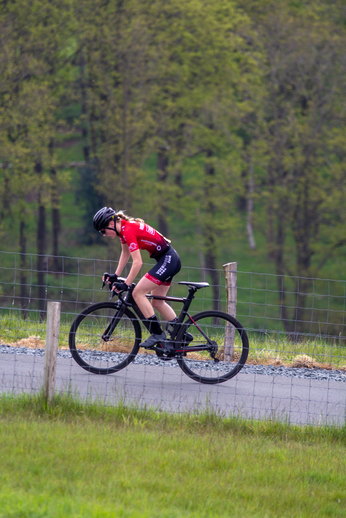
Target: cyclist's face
(107, 232)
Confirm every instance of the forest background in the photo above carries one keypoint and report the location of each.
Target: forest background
(221, 123)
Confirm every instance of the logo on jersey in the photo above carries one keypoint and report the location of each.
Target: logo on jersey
(150, 230)
(141, 226)
(133, 247)
(148, 242)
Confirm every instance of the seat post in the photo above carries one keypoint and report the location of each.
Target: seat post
(190, 296)
(187, 302)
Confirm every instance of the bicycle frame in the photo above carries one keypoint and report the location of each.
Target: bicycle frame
(130, 302)
(187, 334)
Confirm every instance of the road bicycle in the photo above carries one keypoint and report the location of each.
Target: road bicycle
(210, 347)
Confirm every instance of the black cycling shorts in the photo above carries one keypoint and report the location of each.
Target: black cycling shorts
(168, 265)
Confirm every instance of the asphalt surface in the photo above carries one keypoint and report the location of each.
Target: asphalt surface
(291, 399)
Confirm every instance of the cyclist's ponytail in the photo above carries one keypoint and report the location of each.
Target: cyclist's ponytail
(121, 215)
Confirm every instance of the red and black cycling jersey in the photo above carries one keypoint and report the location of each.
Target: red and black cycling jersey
(140, 236)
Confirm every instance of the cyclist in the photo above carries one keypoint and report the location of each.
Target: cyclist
(136, 235)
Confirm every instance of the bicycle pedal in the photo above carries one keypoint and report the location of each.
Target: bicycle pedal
(168, 347)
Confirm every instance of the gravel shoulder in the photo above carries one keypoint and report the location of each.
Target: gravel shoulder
(151, 359)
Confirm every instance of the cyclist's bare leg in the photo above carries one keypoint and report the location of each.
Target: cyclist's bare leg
(147, 308)
(161, 305)
(143, 287)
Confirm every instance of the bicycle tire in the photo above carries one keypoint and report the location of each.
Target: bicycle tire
(200, 366)
(93, 353)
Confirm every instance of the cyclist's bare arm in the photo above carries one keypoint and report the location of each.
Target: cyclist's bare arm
(136, 263)
(123, 259)
(136, 266)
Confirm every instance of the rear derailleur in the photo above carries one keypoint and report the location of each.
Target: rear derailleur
(213, 351)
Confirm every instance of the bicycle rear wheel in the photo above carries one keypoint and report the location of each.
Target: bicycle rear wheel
(91, 351)
(225, 337)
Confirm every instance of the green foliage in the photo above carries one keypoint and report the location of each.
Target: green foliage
(211, 120)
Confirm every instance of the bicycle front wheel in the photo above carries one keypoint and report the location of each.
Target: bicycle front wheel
(91, 351)
(225, 341)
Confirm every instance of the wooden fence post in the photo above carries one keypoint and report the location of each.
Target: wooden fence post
(51, 349)
(231, 292)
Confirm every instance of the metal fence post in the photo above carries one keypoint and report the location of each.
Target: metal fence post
(51, 349)
(231, 292)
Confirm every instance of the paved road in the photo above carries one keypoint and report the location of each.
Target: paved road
(166, 388)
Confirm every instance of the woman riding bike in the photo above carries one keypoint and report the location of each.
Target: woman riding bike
(136, 235)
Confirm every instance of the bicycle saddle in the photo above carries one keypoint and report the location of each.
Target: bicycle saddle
(197, 285)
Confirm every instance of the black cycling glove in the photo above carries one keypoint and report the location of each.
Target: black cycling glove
(121, 286)
(110, 278)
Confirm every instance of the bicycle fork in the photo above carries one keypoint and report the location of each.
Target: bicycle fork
(107, 335)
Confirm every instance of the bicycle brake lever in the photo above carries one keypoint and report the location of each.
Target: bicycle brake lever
(106, 274)
(104, 284)
(113, 292)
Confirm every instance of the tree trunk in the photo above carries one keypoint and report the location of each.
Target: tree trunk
(55, 213)
(178, 179)
(41, 246)
(162, 175)
(200, 245)
(302, 235)
(302, 288)
(209, 232)
(55, 223)
(93, 133)
(270, 218)
(5, 198)
(279, 265)
(92, 115)
(23, 281)
(249, 208)
(86, 147)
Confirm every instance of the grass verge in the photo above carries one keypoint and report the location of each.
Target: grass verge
(307, 353)
(90, 460)
(262, 352)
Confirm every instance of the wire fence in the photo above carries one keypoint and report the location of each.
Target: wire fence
(296, 367)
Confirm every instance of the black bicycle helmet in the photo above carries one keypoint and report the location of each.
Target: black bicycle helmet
(103, 217)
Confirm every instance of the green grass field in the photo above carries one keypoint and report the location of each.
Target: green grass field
(94, 461)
